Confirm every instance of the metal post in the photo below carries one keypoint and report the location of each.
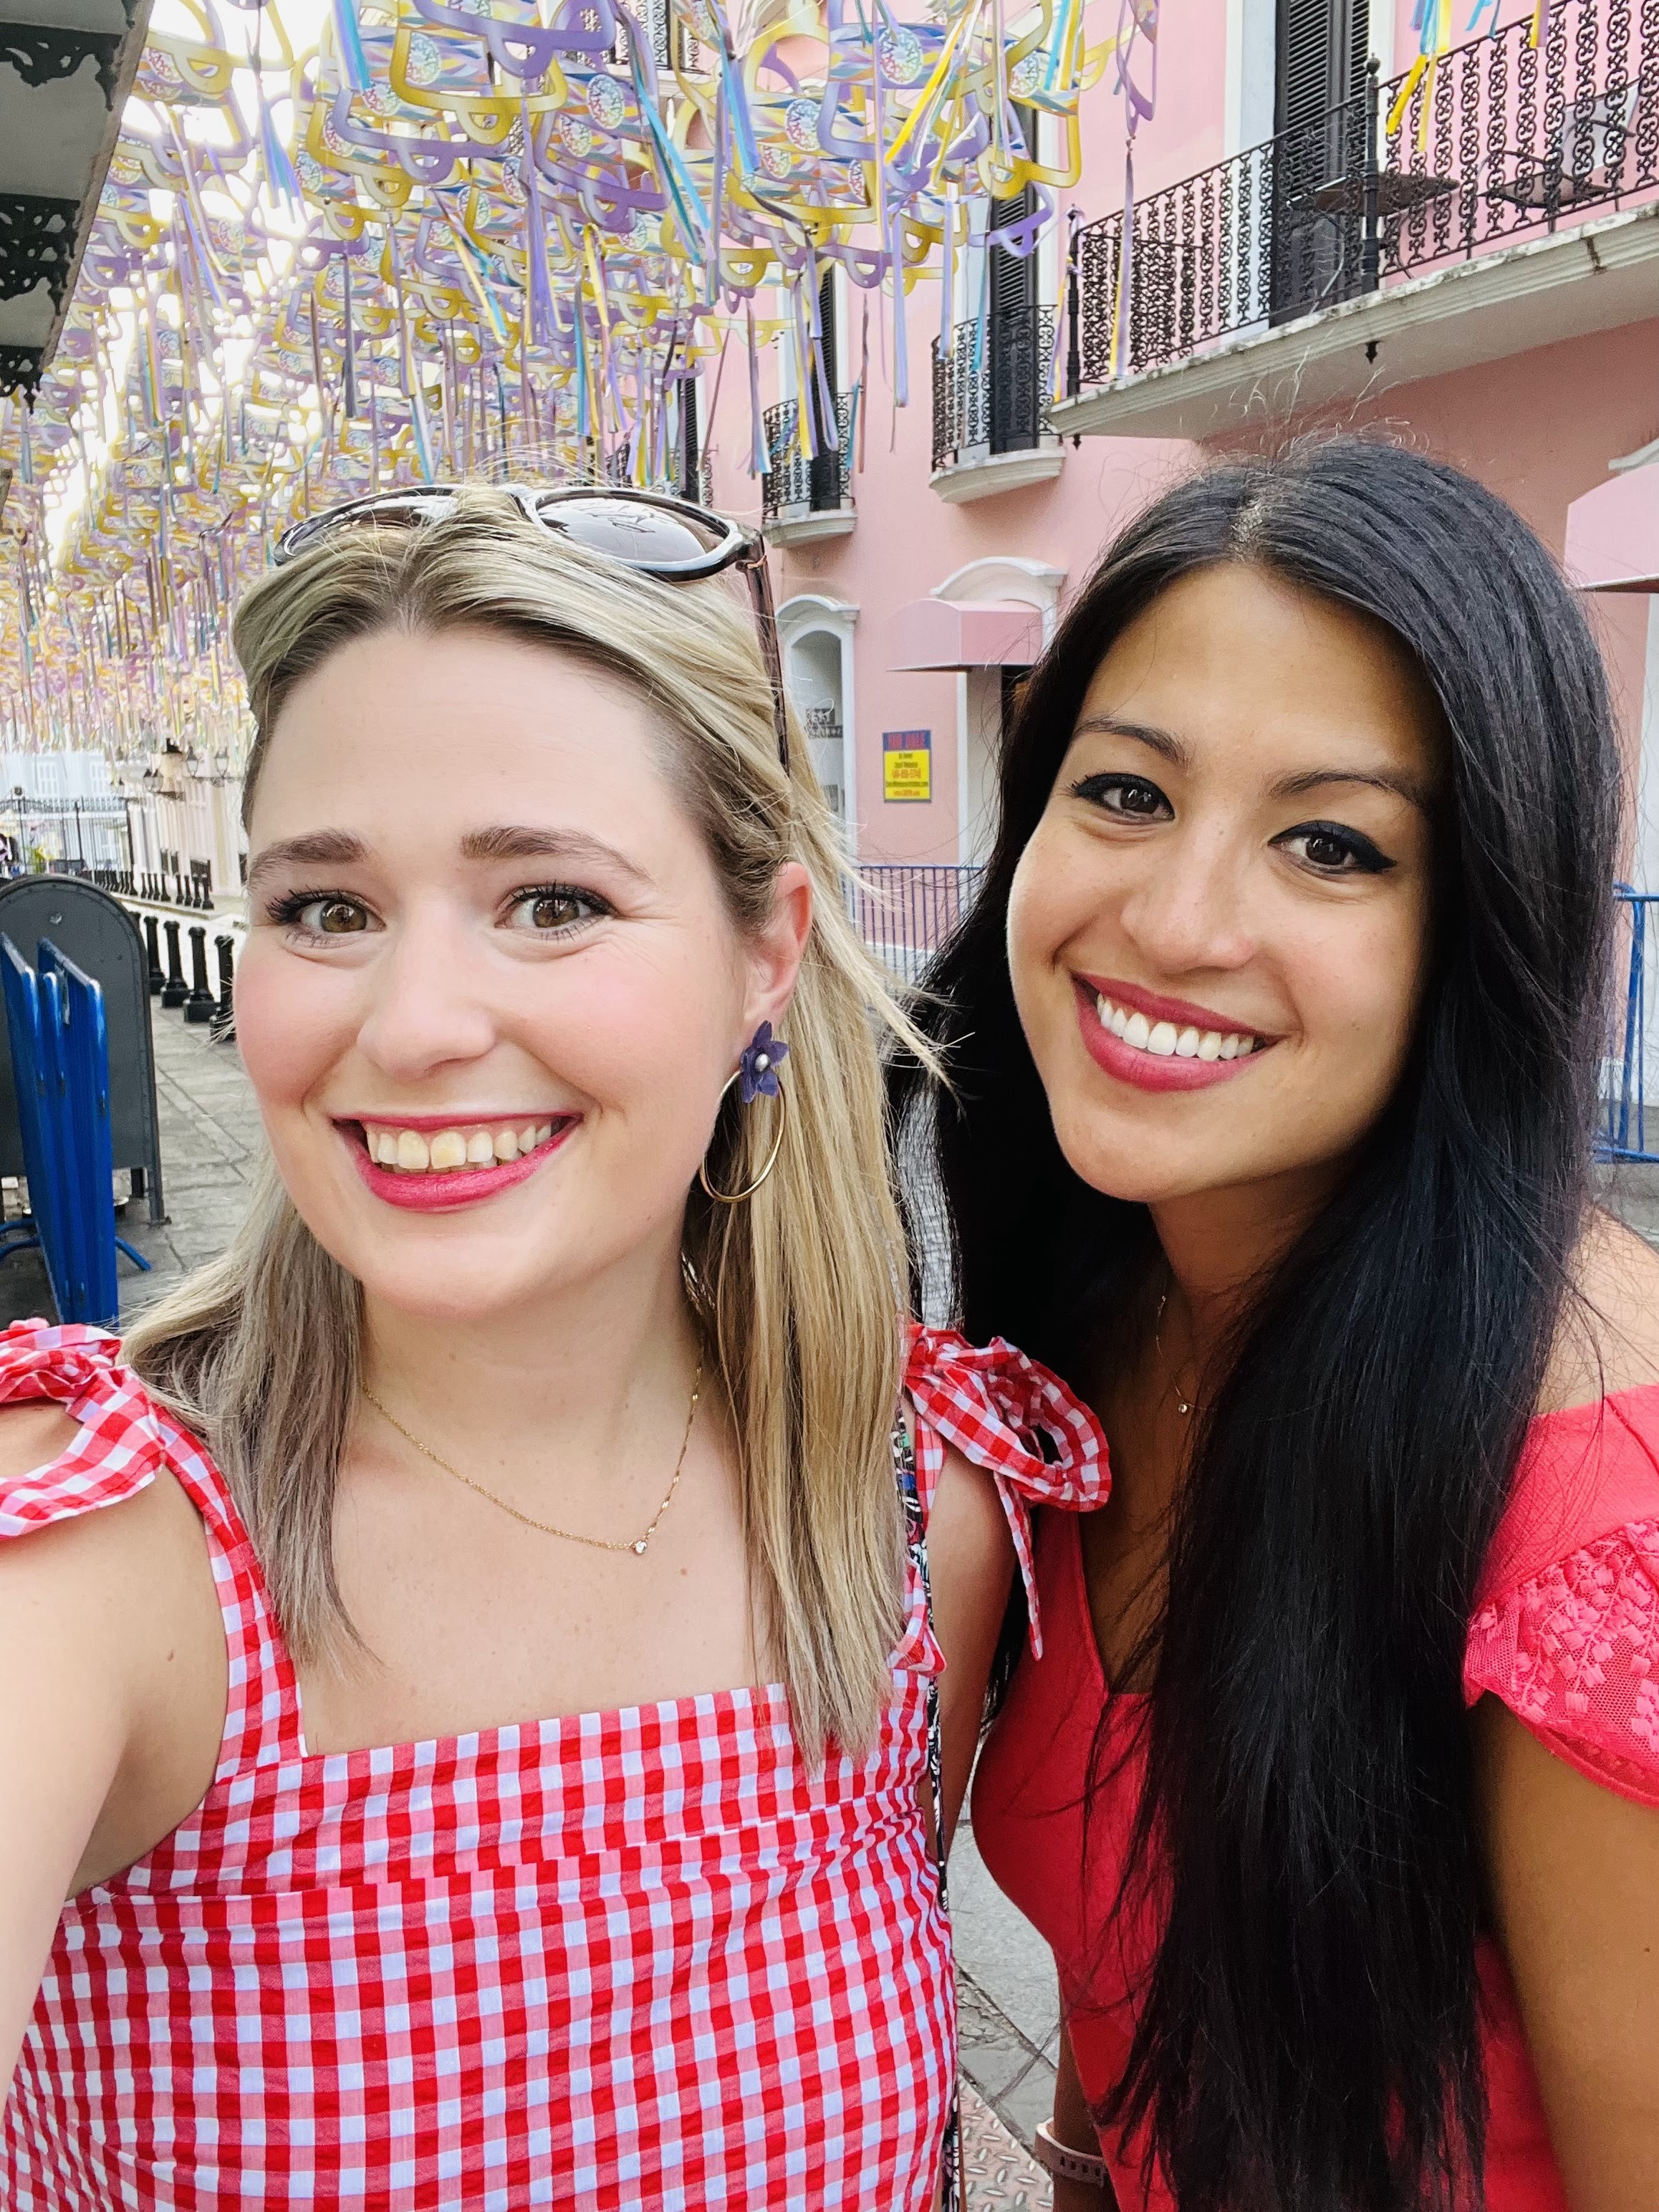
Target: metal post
(226, 949)
(199, 1006)
(153, 952)
(1370, 249)
(175, 990)
(1073, 349)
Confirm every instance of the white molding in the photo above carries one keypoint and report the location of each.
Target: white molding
(1596, 278)
(803, 529)
(1007, 576)
(1379, 31)
(805, 611)
(1248, 97)
(806, 614)
(996, 473)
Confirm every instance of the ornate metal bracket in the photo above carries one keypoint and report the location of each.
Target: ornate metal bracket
(20, 369)
(37, 239)
(41, 55)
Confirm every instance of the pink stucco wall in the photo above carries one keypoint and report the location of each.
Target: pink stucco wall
(1539, 428)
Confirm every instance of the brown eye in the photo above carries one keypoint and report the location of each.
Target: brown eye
(339, 916)
(334, 917)
(552, 910)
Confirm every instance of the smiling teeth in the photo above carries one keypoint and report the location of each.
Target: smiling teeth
(1165, 1041)
(470, 1145)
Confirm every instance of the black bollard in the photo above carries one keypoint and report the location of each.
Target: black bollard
(152, 951)
(199, 1007)
(226, 949)
(175, 990)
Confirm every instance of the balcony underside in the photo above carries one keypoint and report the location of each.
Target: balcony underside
(805, 526)
(988, 474)
(1598, 278)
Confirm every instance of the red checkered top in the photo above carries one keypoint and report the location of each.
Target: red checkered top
(641, 1958)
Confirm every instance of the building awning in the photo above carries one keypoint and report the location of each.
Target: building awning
(968, 633)
(1613, 534)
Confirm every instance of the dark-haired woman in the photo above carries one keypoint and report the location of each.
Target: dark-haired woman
(1275, 1035)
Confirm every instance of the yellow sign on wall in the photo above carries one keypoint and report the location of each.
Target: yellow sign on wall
(906, 764)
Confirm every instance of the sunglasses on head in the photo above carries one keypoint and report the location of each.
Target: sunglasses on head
(644, 531)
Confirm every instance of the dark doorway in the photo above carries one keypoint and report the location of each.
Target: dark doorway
(1011, 322)
(824, 475)
(1319, 154)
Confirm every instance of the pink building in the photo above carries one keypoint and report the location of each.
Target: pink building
(1468, 254)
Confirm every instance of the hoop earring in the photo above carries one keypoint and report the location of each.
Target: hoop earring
(736, 1197)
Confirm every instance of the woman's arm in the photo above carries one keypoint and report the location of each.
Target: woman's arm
(107, 1697)
(1072, 2127)
(970, 1560)
(1575, 1881)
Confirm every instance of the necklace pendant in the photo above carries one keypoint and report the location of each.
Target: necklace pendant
(638, 1549)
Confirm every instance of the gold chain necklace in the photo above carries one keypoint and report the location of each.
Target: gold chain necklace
(1182, 1405)
(636, 1545)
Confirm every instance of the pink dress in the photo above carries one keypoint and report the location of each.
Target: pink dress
(1566, 1634)
(641, 1958)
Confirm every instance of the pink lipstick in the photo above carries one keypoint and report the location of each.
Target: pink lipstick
(1159, 1043)
(448, 1190)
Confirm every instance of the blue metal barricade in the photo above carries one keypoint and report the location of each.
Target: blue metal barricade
(1632, 1066)
(59, 1043)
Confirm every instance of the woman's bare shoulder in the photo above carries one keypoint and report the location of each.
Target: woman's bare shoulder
(32, 1435)
(1608, 1337)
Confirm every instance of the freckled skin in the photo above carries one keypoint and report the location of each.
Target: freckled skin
(442, 1008)
(1258, 684)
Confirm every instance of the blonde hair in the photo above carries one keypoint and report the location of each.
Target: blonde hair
(799, 1290)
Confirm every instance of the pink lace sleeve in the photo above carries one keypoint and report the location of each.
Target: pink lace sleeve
(119, 1447)
(1574, 1654)
(1040, 1445)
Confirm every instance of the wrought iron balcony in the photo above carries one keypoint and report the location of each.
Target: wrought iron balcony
(991, 388)
(1499, 141)
(799, 483)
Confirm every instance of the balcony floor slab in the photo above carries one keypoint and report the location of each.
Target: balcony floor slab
(996, 473)
(803, 529)
(1598, 278)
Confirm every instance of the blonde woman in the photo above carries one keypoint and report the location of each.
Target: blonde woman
(464, 1665)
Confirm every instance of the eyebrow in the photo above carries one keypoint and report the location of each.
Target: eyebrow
(316, 849)
(1164, 743)
(1407, 787)
(1169, 747)
(517, 841)
(340, 848)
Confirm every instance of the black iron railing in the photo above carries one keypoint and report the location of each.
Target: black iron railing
(904, 913)
(991, 386)
(816, 483)
(1500, 140)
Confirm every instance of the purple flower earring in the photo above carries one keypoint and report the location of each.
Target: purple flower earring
(757, 1071)
(757, 1077)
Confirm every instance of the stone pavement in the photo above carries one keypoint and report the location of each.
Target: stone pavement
(211, 1145)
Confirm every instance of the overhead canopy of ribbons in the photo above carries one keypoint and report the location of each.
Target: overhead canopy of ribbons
(349, 243)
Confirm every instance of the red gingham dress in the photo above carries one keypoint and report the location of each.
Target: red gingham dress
(638, 1958)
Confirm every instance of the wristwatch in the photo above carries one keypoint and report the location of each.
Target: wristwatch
(1083, 2167)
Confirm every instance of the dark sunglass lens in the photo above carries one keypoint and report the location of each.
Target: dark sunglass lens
(646, 536)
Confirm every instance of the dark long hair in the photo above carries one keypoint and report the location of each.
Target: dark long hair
(1307, 2040)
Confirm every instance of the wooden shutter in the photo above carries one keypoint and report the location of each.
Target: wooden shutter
(1322, 49)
